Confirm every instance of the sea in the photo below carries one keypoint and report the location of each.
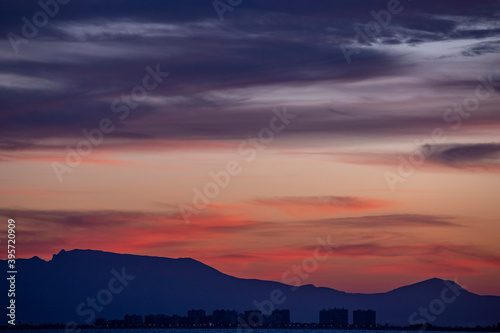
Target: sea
(226, 330)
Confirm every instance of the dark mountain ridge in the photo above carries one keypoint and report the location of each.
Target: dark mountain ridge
(81, 285)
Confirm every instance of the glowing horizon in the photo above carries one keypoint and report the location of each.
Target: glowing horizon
(239, 142)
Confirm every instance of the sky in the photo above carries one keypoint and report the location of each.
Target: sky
(244, 133)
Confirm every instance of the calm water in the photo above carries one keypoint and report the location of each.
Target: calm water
(234, 330)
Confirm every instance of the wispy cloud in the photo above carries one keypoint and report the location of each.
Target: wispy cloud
(479, 155)
(303, 206)
(399, 220)
(218, 92)
(237, 246)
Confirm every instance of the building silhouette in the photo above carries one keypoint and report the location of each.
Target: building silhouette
(280, 318)
(133, 320)
(196, 317)
(333, 318)
(364, 318)
(159, 320)
(100, 322)
(224, 318)
(199, 318)
(254, 318)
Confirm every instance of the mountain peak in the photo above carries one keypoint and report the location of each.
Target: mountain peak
(79, 252)
(173, 286)
(59, 255)
(433, 285)
(437, 282)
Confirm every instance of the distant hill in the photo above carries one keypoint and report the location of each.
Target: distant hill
(62, 289)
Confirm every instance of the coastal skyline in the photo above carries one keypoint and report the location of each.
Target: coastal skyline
(246, 134)
(109, 285)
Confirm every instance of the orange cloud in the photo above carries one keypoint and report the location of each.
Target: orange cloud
(255, 249)
(304, 206)
(61, 158)
(479, 157)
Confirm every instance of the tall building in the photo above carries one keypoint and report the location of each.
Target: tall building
(159, 320)
(253, 318)
(364, 318)
(149, 320)
(224, 318)
(196, 317)
(176, 320)
(100, 322)
(280, 318)
(133, 320)
(333, 317)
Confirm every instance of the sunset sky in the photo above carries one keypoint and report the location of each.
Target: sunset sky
(239, 134)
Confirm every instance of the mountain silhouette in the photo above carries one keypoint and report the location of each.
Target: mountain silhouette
(62, 290)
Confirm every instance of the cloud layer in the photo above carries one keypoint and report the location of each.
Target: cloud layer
(165, 92)
(226, 76)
